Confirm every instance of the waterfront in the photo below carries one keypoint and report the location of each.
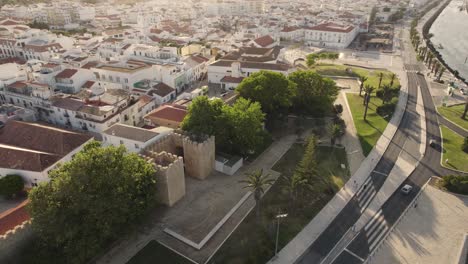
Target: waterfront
(451, 37)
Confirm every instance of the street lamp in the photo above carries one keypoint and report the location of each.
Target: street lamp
(278, 217)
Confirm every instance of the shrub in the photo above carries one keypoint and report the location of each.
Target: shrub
(338, 109)
(11, 185)
(456, 184)
(387, 108)
(465, 145)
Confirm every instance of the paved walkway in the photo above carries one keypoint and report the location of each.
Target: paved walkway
(127, 248)
(430, 233)
(350, 140)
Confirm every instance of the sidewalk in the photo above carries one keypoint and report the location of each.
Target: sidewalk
(296, 247)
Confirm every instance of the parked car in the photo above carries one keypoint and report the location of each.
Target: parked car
(406, 189)
(432, 143)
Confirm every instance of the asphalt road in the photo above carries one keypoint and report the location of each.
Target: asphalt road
(376, 229)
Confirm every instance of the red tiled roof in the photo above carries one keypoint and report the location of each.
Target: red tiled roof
(161, 89)
(13, 218)
(90, 65)
(65, 74)
(230, 79)
(332, 27)
(43, 48)
(88, 84)
(10, 22)
(265, 41)
(289, 29)
(170, 112)
(199, 58)
(17, 85)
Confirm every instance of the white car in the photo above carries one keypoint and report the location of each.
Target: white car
(406, 189)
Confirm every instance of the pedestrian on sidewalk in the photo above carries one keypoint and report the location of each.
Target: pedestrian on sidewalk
(446, 161)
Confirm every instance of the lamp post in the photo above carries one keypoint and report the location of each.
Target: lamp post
(278, 217)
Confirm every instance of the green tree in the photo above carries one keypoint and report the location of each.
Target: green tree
(272, 90)
(11, 185)
(90, 200)
(257, 182)
(392, 79)
(465, 111)
(441, 72)
(203, 116)
(381, 75)
(385, 93)
(367, 96)
(335, 132)
(362, 80)
(237, 129)
(314, 94)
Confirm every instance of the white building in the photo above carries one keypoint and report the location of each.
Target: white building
(134, 139)
(33, 150)
(330, 35)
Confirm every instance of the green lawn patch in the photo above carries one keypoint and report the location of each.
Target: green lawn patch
(368, 131)
(340, 70)
(457, 159)
(454, 113)
(154, 252)
(251, 243)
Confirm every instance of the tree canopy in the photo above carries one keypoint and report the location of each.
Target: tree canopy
(314, 94)
(90, 200)
(272, 90)
(11, 185)
(238, 129)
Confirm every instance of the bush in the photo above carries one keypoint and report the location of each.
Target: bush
(465, 145)
(387, 108)
(456, 184)
(338, 109)
(11, 185)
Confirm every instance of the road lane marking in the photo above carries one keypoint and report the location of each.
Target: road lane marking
(354, 255)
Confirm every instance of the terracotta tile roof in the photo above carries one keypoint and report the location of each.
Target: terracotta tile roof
(43, 48)
(332, 27)
(12, 60)
(10, 22)
(90, 65)
(40, 138)
(264, 41)
(289, 29)
(13, 217)
(170, 112)
(88, 84)
(25, 159)
(18, 85)
(161, 89)
(230, 79)
(67, 103)
(65, 74)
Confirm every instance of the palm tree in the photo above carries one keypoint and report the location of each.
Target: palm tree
(335, 132)
(392, 79)
(466, 110)
(386, 93)
(368, 91)
(362, 80)
(381, 75)
(294, 184)
(257, 182)
(442, 70)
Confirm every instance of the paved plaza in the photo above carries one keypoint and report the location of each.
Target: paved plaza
(430, 233)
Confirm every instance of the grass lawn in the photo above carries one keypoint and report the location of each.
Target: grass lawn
(340, 70)
(368, 131)
(453, 113)
(154, 252)
(252, 243)
(452, 150)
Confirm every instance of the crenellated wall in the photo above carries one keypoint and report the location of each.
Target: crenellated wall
(170, 177)
(14, 240)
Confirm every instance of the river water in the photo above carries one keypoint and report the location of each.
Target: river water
(451, 36)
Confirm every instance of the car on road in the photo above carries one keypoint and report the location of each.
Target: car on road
(432, 143)
(406, 189)
(463, 91)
